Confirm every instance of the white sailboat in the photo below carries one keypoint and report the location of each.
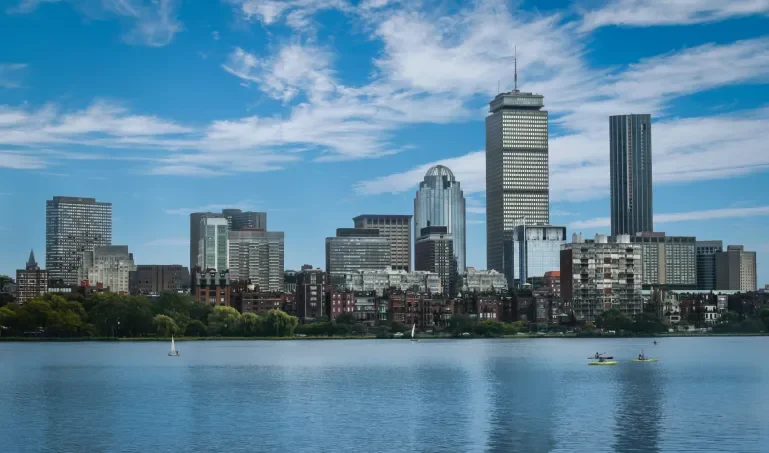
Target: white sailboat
(173, 352)
(413, 330)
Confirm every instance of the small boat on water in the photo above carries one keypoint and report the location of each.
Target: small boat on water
(645, 360)
(413, 331)
(605, 362)
(601, 357)
(173, 352)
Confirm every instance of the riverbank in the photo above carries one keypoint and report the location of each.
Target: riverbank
(369, 337)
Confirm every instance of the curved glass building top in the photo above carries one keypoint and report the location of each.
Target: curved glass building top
(441, 202)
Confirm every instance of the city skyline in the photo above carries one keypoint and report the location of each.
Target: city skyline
(124, 127)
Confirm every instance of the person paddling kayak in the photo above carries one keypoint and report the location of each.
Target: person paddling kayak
(641, 356)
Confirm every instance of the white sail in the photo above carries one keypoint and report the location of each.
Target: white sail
(173, 347)
(413, 328)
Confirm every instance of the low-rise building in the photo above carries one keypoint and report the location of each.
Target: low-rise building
(482, 281)
(382, 281)
(340, 303)
(310, 294)
(736, 269)
(31, 281)
(159, 278)
(212, 287)
(260, 302)
(552, 283)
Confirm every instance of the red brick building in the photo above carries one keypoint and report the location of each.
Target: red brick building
(340, 303)
(212, 287)
(552, 282)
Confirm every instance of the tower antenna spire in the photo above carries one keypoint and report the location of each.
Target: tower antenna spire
(515, 59)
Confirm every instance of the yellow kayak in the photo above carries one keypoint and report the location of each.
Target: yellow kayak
(644, 360)
(608, 362)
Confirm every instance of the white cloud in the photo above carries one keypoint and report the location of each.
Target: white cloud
(296, 13)
(9, 73)
(20, 161)
(644, 13)
(151, 22)
(727, 213)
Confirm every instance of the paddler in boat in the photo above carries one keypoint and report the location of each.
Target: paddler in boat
(641, 356)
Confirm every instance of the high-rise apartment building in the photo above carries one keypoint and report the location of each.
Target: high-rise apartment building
(257, 256)
(668, 260)
(599, 275)
(109, 265)
(31, 281)
(441, 202)
(310, 298)
(706, 263)
(630, 164)
(736, 269)
(159, 278)
(236, 220)
(356, 249)
(212, 246)
(434, 252)
(538, 251)
(74, 225)
(397, 230)
(517, 169)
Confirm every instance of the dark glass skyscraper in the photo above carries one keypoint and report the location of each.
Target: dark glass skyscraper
(630, 162)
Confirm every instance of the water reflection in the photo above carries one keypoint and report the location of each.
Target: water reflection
(522, 405)
(638, 415)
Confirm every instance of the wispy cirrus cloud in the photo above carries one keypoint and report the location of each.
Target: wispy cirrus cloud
(9, 74)
(644, 13)
(711, 214)
(152, 23)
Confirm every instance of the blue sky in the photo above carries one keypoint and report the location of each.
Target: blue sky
(319, 110)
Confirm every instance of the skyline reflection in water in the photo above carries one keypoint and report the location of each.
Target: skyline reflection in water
(493, 396)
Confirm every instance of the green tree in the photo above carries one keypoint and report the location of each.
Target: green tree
(279, 324)
(489, 328)
(165, 325)
(763, 315)
(195, 329)
(360, 329)
(613, 319)
(459, 324)
(224, 321)
(345, 319)
(251, 325)
(397, 326)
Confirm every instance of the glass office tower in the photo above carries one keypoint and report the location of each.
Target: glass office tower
(440, 202)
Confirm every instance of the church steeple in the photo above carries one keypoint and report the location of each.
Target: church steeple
(31, 263)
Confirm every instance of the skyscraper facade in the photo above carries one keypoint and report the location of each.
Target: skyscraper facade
(630, 164)
(667, 260)
(434, 252)
(110, 266)
(236, 220)
(736, 269)
(74, 225)
(212, 246)
(440, 202)
(257, 256)
(706, 263)
(397, 229)
(356, 249)
(517, 169)
(539, 251)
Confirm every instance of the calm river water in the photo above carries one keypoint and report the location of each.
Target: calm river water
(527, 395)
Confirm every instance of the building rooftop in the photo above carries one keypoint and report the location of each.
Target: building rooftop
(383, 216)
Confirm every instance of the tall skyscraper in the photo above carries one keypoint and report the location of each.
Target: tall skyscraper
(517, 168)
(356, 249)
(74, 225)
(212, 246)
(736, 269)
(434, 252)
(236, 220)
(630, 163)
(440, 202)
(257, 255)
(706, 263)
(397, 229)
